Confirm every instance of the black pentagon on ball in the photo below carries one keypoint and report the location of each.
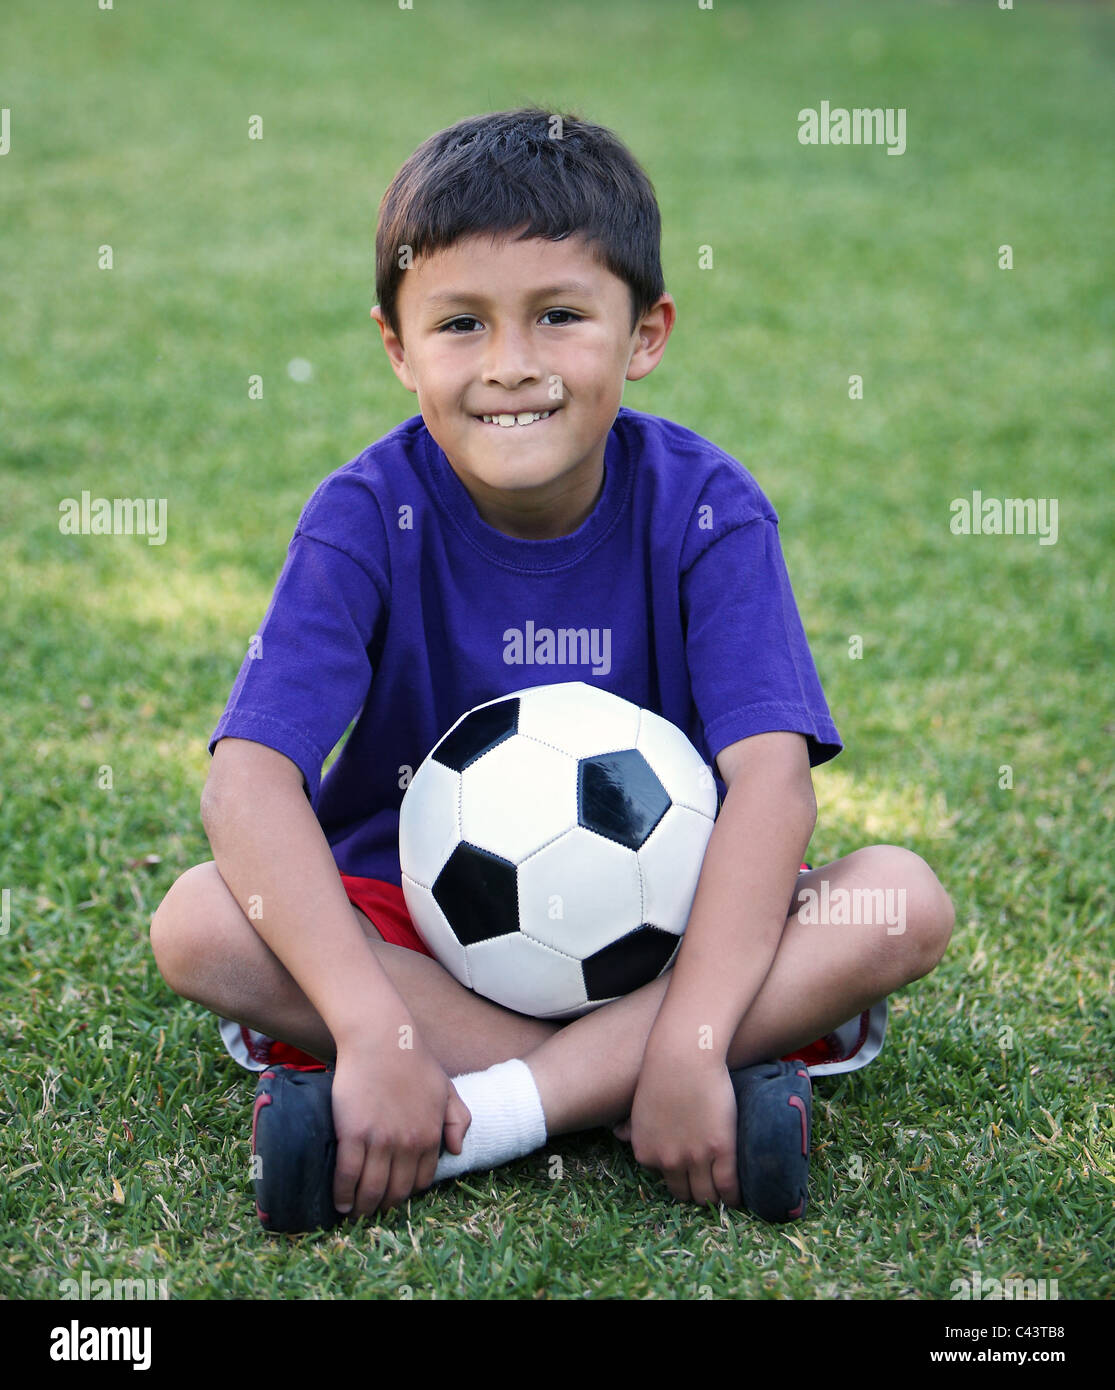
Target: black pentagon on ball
(618, 795)
(479, 731)
(478, 894)
(633, 960)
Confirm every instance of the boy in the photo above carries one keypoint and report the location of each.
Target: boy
(519, 286)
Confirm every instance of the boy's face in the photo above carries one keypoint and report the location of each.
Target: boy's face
(504, 327)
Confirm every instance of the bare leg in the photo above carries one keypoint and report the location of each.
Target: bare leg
(586, 1070)
(821, 977)
(208, 951)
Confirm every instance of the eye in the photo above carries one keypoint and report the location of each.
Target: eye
(462, 318)
(569, 314)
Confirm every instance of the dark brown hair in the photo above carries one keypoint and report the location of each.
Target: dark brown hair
(531, 172)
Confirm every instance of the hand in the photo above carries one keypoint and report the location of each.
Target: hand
(392, 1108)
(683, 1123)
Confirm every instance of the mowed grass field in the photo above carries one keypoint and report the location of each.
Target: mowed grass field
(977, 716)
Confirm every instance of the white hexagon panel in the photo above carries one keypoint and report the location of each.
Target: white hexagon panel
(526, 976)
(670, 865)
(578, 718)
(579, 893)
(517, 797)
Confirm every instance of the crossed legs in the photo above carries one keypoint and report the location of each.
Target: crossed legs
(586, 1070)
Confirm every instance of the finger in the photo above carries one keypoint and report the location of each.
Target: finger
(373, 1182)
(701, 1185)
(400, 1181)
(427, 1168)
(677, 1180)
(725, 1179)
(346, 1174)
(457, 1121)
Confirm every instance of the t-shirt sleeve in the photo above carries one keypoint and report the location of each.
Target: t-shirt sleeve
(751, 670)
(308, 670)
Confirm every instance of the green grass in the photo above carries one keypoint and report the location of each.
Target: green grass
(982, 1139)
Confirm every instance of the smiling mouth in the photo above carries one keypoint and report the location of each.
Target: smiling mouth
(520, 420)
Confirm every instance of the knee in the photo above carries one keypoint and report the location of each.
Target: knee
(175, 929)
(927, 916)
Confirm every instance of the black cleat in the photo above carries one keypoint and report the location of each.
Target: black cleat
(294, 1150)
(775, 1105)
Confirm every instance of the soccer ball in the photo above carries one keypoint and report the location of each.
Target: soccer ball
(550, 846)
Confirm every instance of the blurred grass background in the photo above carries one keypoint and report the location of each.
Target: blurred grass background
(982, 1139)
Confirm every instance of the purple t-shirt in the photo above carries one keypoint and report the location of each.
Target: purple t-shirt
(400, 608)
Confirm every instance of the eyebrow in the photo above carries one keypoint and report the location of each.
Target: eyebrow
(574, 287)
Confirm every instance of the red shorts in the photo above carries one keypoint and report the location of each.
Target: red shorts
(850, 1047)
(385, 907)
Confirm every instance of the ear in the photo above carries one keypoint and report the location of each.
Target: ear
(649, 337)
(396, 353)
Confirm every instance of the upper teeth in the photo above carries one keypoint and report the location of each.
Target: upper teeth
(525, 417)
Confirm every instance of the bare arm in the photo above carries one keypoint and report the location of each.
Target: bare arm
(745, 889)
(392, 1102)
(272, 853)
(683, 1114)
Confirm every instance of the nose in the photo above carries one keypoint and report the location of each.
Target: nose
(511, 359)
